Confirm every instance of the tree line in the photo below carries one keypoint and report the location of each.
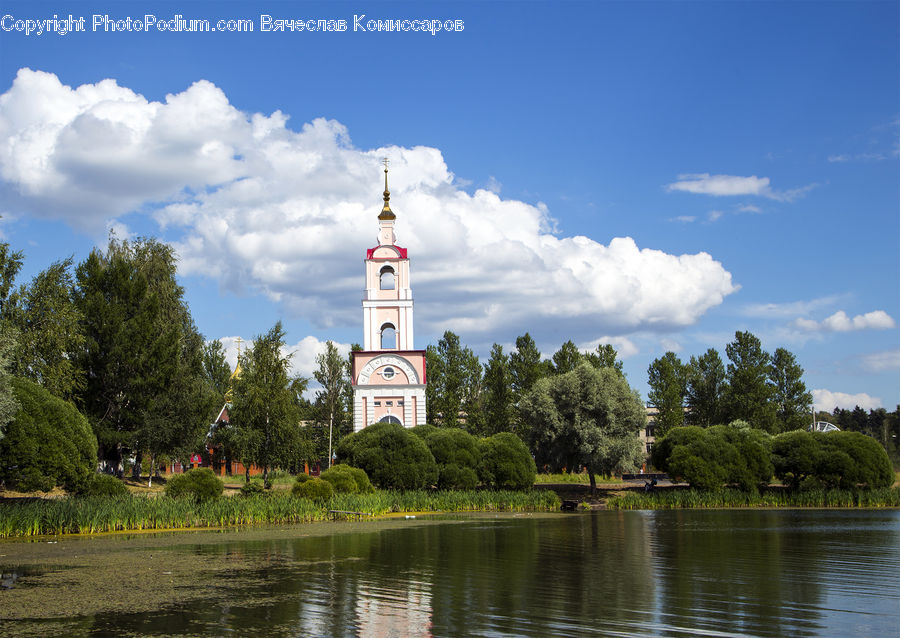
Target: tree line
(114, 336)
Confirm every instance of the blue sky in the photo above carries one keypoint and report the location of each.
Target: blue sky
(654, 175)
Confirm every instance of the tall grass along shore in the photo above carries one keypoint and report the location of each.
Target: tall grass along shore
(92, 515)
(731, 498)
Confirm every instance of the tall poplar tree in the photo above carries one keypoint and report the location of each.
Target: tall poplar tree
(498, 395)
(566, 358)
(525, 366)
(749, 395)
(333, 375)
(454, 383)
(792, 400)
(264, 411)
(667, 381)
(605, 357)
(705, 389)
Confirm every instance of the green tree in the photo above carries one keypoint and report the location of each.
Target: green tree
(749, 395)
(586, 417)
(566, 358)
(705, 389)
(264, 410)
(10, 265)
(136, 327)
(793, 401)
(498, 393)
(332, 373)
(216, 370)
(525, 366)
(177, 421)
(605, 357)
(457, 455)
(667, 381)
(49, 327)
(454, 384)
(48, 443)
(8, 404)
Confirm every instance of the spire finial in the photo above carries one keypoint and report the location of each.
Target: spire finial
(386, 212)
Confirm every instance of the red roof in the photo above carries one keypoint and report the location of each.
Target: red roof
(402, 251)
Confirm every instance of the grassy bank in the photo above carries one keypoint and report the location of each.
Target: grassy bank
(106, 514)
(696, 499)
(575, 479)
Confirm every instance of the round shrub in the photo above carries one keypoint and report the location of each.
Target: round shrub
(253, 487)
(391, 456)
(713, 457)
(315, 490)
(831, 459)
(341, 479)
(457, 455)
(506, 462)
(48, 443)
(200, 484)
(103, 485)
(303, 477)
(422, 431)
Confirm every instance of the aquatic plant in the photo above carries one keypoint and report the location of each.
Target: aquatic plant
(733, 498)
(97, 514)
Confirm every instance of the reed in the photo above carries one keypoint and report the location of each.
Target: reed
(97, 514)
(731, 498)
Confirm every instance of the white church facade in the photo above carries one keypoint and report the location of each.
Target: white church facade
(388, 374)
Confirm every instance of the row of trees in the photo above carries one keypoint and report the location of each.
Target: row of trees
(114, 336)
(765, 390)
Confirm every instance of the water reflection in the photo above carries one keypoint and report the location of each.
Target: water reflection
(761, 573)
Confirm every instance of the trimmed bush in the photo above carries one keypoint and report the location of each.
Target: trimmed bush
(200, 484)
(303, 477)
(422, 431)
(713, 457)
(457, 455)
(315, 490)
(103, 485)
(845, 460)
(391, 456)
(253, 487)
(506, 463)
(48, 443)
(344, 479)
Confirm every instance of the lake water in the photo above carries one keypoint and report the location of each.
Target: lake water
(669, 573)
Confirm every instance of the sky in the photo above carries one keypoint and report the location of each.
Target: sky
(652, 175)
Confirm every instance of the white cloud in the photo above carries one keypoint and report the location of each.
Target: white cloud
(749, 208)
(841, 322)
(789, 309)
(288, 213)
(826, 400)
(303, 353)
(731, 185)
(684, 219)
(625, 348)
(880, 361)
(714, 215)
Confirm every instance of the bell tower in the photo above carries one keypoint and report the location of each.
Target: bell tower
(388, 373)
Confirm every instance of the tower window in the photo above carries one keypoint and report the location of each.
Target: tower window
(388, 336)
(386, 278)
(388, 373)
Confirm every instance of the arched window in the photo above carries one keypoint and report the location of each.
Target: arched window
(386, 278)
(388, 337)
(390, 418)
